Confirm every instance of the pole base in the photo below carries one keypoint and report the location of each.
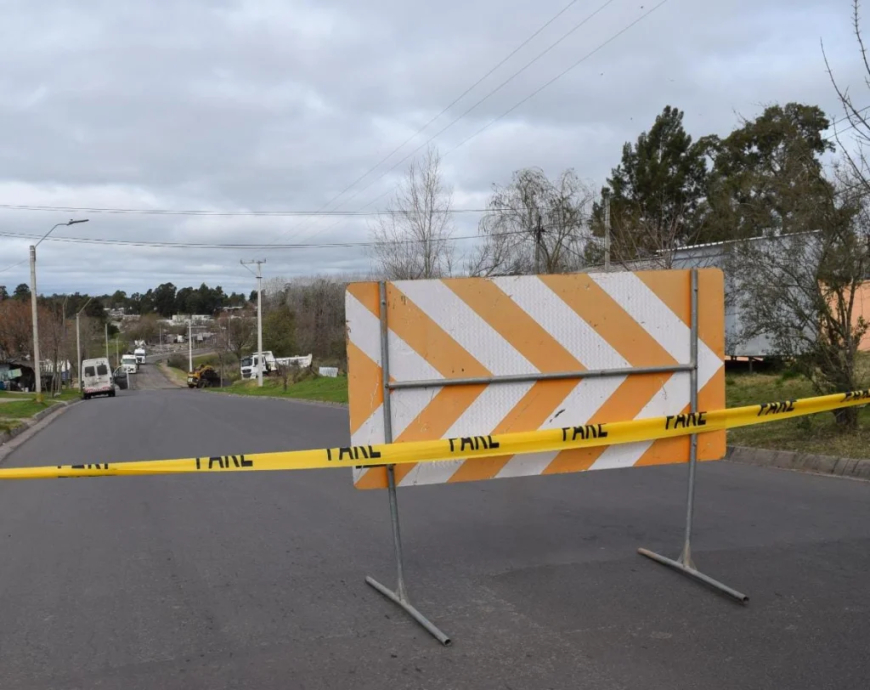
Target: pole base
(410, 610)
(691, 571)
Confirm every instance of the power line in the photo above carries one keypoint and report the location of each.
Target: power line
(498, 88)
(17, 263)
(560, 75)
(514, 107)
(200, 212)
(448, 106)
(243, 245)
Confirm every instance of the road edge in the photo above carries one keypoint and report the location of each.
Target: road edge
(12, 440)
(855, 468)
(303, 401)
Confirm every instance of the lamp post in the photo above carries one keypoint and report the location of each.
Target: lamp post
(79, 342)
(36, 361)
(260, 359)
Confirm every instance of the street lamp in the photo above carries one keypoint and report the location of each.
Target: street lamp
(260, 359)
(36, 361)
(79, 342)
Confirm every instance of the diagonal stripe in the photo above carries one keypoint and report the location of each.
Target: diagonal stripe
(433, 344)
(566, 325)
(427, 338)
(455, 318)
(672, 288)
(577, 408)
(368, 295)
(513, 324)
(645, 307)
(437, 418)
(364, 380)
(531, 412)
(611, 321)
(670, 399)
(626, 403)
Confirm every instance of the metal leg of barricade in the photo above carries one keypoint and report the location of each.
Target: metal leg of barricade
(400, 596)
(684, 563)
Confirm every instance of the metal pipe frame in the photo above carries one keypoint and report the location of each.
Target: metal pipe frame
(400, 596)
(684, 563)
(551, 376)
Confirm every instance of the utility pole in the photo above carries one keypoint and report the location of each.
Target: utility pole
(539, 238)
(107, 343)
(79, 342)
(605, 194)
(190, 343)
(37, 365)
(259, 274)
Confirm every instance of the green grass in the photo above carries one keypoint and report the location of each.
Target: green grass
(321, 388)
(817, 434)
(25, 404)
(8, 425)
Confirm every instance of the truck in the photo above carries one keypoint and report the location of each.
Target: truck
(129, 363)
(140, 355)
(97, 378)
(250, 365)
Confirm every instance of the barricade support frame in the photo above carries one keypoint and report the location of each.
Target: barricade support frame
(400, 595)
(684, 562)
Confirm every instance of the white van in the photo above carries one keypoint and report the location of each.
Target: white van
(97, 378)
(140, 354)
(130, 364)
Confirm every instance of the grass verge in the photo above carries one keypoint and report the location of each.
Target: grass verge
(321, 388)
(817, 434)
(175, 375)
(24, 405)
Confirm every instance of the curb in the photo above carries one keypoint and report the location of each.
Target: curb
(804, 462)
(316, 403)
(31, 422)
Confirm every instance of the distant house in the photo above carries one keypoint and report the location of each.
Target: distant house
(182, 319)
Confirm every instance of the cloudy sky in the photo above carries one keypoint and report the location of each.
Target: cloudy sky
(279, 105)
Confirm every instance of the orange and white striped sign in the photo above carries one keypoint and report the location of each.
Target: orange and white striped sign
(527, 325)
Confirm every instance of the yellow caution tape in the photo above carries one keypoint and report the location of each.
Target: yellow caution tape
(584, 436)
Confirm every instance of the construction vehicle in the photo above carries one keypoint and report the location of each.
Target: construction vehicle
(204, 376)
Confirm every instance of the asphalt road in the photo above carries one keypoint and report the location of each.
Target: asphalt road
(256, 581)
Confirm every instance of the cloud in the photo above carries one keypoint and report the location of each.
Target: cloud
(241, 105)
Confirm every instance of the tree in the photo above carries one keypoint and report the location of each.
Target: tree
(238, 333)
(655, 191)
(318, 304)
(768, 176)
(856, 117)
(279, 331)
(3, 293)
(16, 334)
(414, 235)
(800, 288)
(119, 300)
(164, 299)
(22, 292)
(534, 225)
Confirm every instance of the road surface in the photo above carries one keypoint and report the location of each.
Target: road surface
(256, 581)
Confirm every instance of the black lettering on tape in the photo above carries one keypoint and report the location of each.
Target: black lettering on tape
(775, 408)
(584, 432)
(857, 395)
(471, 443)
(354, 453)
(688, 420)
(218, 460)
